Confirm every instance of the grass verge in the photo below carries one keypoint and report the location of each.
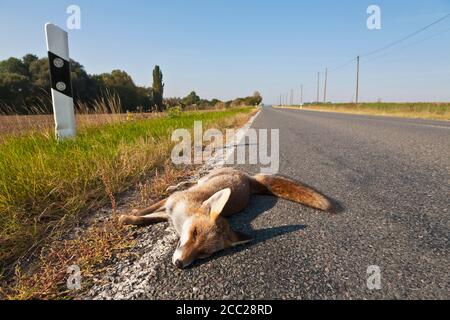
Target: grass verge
(46, 186)
(432, 111)
(91, 248)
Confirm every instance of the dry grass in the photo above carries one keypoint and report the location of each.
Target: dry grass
(90, 250)
(17, 124)
(105, 110)
(48, 279)
(432, 111)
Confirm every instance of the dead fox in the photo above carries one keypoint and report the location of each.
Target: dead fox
(198, 213)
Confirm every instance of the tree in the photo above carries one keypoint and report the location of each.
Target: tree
(257, 98)
(172, 102)
(191, 99)
(158, 89)
(29, 59)
(40, 74)
(26, 83)
(15, 89)
(120, 83)
(85, 88)
(18, 90)
(14, 65)
(215, 101)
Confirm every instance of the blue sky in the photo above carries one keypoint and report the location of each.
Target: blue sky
(230, 48)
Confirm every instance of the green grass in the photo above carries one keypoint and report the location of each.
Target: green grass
(437, 111)
(46, 185)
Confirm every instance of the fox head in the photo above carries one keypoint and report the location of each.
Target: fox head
(207, 232)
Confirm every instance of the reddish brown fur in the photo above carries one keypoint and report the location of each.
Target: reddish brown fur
(290, 190)
(207, 237)
(221, 194)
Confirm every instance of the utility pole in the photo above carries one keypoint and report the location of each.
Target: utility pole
(318, 87)
(325, 87)
(357, 80)
(301, 95)
(292, 97)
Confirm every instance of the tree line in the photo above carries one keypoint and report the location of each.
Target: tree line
(25, 84)
(193, 101)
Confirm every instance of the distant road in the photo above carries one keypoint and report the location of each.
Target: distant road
(391, 175)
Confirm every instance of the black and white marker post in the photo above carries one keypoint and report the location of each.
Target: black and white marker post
(62, 97)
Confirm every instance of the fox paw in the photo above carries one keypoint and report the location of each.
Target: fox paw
(173, 188)
(181, 186)
(124, 219)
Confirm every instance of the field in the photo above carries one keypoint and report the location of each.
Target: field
(15, 124)
(435, 111)
(46, 186)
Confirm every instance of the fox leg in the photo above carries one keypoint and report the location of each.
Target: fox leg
(146, 220)
(182, 185)
(215, 173)
(157, 207)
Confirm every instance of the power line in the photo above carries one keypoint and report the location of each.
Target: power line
(392, 44)
(373, 52)
(343, 65)
(406, 38)
(410, 45)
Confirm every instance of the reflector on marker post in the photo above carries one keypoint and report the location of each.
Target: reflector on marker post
(62, 96)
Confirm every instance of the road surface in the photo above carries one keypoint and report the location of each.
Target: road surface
(391, 177)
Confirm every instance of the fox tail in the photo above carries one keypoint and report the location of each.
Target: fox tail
(287, 189)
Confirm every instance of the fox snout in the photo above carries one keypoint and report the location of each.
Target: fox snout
(182, 258)
(180, 264)
(186, 254)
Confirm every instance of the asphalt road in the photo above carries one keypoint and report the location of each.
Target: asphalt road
(390, 175)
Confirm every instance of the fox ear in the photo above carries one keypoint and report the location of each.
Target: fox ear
(240, 238)
(217, 202)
